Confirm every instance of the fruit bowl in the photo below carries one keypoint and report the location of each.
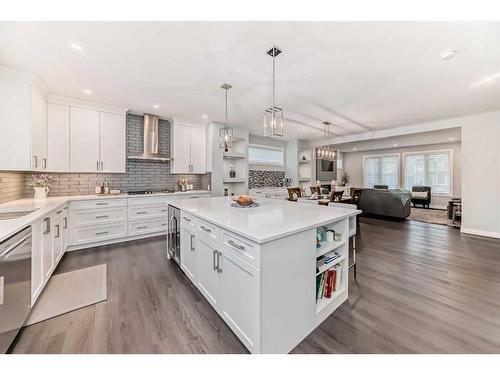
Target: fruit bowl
(244, 200)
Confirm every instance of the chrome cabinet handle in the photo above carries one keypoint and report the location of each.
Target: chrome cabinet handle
(102, 217)
(142, 227)
(102, 165)
(192, 246)
(100, 233)
(163, 210)
(208, 230)
(58, 212)
(47, 225)
(239, 247)
(219, 268)
(141, 212)
(65, 220)
(57, 231)
(44, 165)
(102, 204)
(214, 253)
(187, 219)
(97, 165)
(35, 161)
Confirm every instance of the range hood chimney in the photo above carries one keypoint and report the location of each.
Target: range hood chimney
(150, 151)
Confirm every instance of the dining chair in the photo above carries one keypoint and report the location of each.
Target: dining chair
(336, 196)
(292, 191)
(315, 190)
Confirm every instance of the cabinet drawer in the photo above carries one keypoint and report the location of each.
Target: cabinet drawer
(147, 212)
(188, 219)
(106, 216)
(143, 201)
(208, 230)
(98, 233)
(99, 203)
(244, 249)
(147, 226)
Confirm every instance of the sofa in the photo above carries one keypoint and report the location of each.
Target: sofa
(383, 203)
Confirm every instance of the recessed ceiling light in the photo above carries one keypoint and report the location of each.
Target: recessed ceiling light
(204, 116)
(448, 53)
(156, 106)
(76, 46)
(87, 91)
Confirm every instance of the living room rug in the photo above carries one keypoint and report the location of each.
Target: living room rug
(429, 215)
(70, 291)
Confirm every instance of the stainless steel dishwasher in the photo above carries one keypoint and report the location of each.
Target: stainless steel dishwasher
(15, 285)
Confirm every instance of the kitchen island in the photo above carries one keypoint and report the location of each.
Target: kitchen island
(258, 266)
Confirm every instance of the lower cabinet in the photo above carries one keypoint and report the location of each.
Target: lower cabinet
(188, 252)
(208, 273)
(227, 281)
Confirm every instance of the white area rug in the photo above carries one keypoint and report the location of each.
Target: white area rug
(70, 291)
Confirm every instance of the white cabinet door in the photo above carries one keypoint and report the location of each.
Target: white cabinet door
(47, 247)
(239, 298)
(37, 275)
(112, 142)
(57, 137)
(208, 277)
(188, 252)
(181, 149)
(84, 140)
(64, 229)
(198, 150)
(38, 130)
(15, 122)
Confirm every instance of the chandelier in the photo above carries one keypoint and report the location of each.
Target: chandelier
(326, 151)
(226, 133)
(273, 116)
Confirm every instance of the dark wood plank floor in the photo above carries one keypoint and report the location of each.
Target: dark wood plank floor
(421, 288)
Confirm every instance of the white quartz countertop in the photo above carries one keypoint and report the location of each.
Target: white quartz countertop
(273, 219)
(44, 206)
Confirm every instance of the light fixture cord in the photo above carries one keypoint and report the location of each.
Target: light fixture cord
(226, 110)
(274, 73)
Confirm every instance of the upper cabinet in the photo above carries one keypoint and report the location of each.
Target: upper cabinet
(84, 141)
(38, 130)
(188, 148)
(57, 138)
(97, 141)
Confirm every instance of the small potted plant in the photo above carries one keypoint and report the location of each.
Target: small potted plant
(41, 185)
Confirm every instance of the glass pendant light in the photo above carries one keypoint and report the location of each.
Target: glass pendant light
(226, 133)
(273, 116)
(326, 151)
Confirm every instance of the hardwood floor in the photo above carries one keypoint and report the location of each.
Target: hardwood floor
(421, 288)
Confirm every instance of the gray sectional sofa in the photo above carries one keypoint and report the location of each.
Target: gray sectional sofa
(383, 203)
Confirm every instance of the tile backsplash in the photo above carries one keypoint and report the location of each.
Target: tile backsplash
(139, 174)
(259, 178)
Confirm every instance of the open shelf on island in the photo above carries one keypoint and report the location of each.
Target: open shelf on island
(326, 247)
(234, 180)
(324, 302)
(333, 264)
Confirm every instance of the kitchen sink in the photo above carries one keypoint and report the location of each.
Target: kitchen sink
(9, 215)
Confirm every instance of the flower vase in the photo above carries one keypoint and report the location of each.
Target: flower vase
(41, 192)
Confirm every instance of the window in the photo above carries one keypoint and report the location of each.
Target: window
(381, 170)
(266, 155)
(430, 168)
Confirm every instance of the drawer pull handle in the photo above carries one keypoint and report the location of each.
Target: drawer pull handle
(101, 217)
(208, 230)
(192, 240)
(233, 244)
(164, 224)
(101, 233)
(47, 225)
(187, 219)
(65, 220)
(58, 212)
(163, 210)
(57, 230)
(102, 204)
(141, 212)
(142, 227)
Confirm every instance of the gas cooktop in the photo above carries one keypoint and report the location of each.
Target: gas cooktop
(144, 192)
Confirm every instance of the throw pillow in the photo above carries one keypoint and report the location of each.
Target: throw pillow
(419, 194)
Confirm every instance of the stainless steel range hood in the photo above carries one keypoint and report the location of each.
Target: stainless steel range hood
(150, 151)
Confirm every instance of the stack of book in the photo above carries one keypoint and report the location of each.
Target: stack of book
(328, 282)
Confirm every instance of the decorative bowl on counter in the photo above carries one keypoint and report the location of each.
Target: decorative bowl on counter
(244, 201)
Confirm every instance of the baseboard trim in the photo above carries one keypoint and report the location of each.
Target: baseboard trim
(480, 232)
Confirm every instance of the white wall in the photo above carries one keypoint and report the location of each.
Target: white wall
(353, 165)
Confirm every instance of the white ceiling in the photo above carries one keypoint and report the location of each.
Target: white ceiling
(361, 76)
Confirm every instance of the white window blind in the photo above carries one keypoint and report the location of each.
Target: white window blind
(266, 155)
(429, 169)
(381, 170)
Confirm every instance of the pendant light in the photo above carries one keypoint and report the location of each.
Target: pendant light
(226, 133)
(326, 152)
(273, 116)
